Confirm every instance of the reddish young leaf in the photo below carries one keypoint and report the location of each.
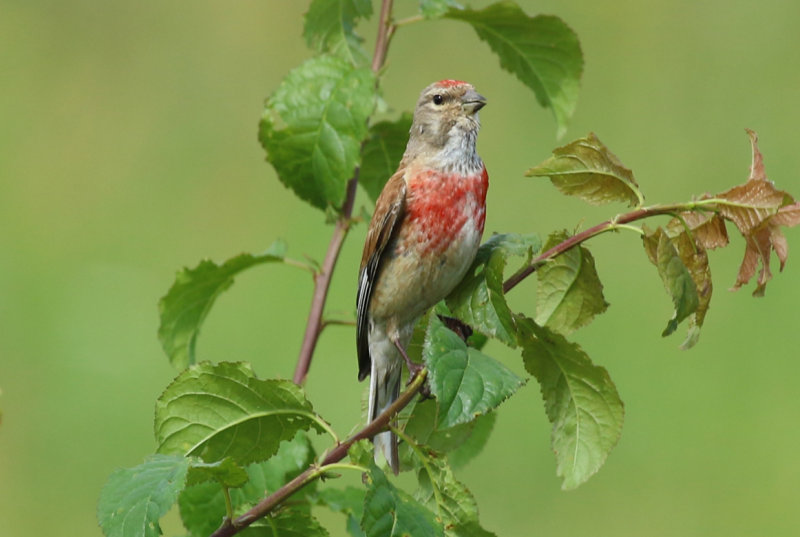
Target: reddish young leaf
(759, 210)
(708, 229)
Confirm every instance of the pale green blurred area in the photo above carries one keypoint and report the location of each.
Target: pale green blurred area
(128, 150)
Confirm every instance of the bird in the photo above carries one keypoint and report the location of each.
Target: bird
(421, 240)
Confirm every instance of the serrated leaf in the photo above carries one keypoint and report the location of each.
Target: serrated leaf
(586, 168)
(202, 506)
(466, 382)
(479, 300)
(225, 472)
(434, 9)
(330, 27)
(461, 442)
(348, 501)
(187, 303)
(474, 444)
(390, 512)
(449, 498)
(580, 400)
(134, 499)
(313, 126)
(222, 410)
(758, 210)
(541, 51)
(288, 523)
(692, 251)
(708, 229)
(676, 277)
(382, 153)
(569, 293)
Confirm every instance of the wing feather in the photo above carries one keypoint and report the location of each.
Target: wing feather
(389, 213)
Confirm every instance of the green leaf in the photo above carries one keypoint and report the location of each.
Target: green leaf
(287, 523)
(185, 306)
(691, 248)
(330, 27)
(479, 300)
(134, 499)
(202, 506)
(225, 472)
(587, 169)
(434, 9)
(569, 293)
(542, 52)
(390, 512)
(348, 501)
(382, 153)
(313, 126)
(361, 452)
(676, 277)
(449, 498)
(223, 410)
(580, 400)
(466, 382)
(473, 445)
(461, 442)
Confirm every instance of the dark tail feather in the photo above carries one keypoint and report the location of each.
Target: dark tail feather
(384, 388)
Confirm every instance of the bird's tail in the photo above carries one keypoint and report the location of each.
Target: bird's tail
(384, 388)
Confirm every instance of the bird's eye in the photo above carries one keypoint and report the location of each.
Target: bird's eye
(438, 99)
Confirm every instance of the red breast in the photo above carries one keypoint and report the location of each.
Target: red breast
(440, 204)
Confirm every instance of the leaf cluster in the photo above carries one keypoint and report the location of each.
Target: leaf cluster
(235, 451)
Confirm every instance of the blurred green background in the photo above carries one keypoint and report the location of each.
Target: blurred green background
(128, 150)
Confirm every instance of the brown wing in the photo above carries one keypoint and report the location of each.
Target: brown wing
(389, 212)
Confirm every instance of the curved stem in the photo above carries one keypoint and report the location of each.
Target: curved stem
(409, 20)
(617, 222)
(328, 429)
(342, 466)
(629, 227)
(437, 494)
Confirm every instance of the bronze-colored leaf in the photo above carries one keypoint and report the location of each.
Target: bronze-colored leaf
(708, 229)
(758, 210)
(758, 248)
(586, 168)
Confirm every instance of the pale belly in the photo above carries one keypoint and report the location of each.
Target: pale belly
(415, 278)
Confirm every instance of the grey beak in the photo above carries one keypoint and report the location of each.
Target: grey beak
(472, 101)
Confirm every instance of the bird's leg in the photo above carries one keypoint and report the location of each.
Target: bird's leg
(413, 369)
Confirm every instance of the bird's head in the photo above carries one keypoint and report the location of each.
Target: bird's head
(447, 112)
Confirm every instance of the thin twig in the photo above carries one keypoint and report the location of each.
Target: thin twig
(609, 225)
(322, 281)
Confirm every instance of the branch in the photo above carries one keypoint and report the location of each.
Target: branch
(608, 225)
(264, 507)
(322, 279)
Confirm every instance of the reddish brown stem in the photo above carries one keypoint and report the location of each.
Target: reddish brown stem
(322, 281)
(265, 506)
(385, 32)
(322, 278)
(608, 225)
